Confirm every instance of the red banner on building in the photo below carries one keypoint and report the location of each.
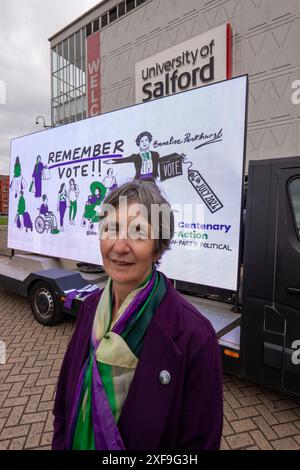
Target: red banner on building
(93, 75)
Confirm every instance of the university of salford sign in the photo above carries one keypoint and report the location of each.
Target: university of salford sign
(198, 61)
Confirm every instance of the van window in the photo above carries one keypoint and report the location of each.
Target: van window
(295, 198)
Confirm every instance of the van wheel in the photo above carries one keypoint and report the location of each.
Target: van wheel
(44, 305)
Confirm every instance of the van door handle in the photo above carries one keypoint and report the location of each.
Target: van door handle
(293, 290)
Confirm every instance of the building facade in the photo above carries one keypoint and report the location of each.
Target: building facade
(265, 38)
(4, 194)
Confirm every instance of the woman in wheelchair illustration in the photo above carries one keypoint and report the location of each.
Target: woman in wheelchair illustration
(46, 219)
(90, 215)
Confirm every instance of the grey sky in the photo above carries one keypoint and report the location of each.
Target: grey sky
(25, 26)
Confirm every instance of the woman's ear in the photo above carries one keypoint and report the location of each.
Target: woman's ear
(156, 258)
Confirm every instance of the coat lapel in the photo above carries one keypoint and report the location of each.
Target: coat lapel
(148, 401)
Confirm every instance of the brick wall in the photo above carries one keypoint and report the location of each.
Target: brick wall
(4, 194)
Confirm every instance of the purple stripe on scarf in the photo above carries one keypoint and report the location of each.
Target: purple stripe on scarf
(106, 433)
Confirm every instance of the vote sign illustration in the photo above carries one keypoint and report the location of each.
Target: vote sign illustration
(190, 144)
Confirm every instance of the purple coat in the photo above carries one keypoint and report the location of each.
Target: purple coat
(186, 414)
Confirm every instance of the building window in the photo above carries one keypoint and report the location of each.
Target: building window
(104, 20)
(113, 14)
(130, 4)
(71, 49)
(68, 66)
(68, 78)
(121, 9)
(66, 49)
(96, 25)
(88, 29)
(295, 199)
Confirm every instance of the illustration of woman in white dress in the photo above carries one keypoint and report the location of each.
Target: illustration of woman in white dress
(18, 182)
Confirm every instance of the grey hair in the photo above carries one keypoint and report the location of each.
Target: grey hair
(149, 195)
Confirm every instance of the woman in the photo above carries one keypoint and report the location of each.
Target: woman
(73, 194)
(142, 370)
(62, 204)
(145, 162)
(18, 182)
(37, 176)
(21, 209)
(44, 210)
(110, 181)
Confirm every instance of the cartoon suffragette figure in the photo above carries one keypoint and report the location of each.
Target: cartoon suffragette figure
(18, 182)
(46, 220)
(21, 210)
(91, 216)
(145, 162)
(109, 181)
(73, 194)
(37, 176)
(23, 218)
(62, 204)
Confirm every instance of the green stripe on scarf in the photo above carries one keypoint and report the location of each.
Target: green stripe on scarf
(84, 435)
(134, 334)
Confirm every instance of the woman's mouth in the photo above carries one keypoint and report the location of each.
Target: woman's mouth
(121, 263)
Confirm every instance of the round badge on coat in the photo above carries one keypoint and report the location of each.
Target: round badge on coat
(164, 377)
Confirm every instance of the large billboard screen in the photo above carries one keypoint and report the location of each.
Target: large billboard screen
(192, 144)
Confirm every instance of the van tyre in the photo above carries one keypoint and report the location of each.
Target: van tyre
(44, 305)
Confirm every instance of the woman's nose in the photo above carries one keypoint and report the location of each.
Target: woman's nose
(121, 246)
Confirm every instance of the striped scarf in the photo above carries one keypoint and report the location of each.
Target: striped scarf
(115, 348)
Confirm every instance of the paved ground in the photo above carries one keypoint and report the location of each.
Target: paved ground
(254, 418)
